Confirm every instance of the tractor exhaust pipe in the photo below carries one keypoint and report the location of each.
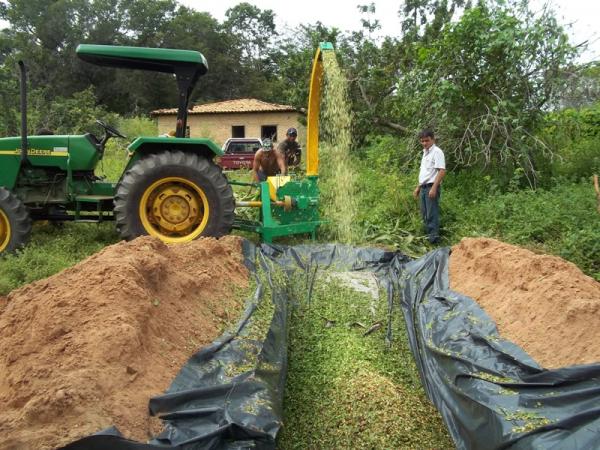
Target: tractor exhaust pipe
(23, 112)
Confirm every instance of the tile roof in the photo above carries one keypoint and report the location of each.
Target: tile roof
(242, 105)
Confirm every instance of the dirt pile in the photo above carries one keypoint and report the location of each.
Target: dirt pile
(542, 303)
(87, 348)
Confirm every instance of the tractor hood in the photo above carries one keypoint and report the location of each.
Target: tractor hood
(143, 58)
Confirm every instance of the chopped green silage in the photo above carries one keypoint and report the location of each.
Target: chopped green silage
(346, 390)
(338, 177)
(251, 339)
(524, 421)
(493, 378)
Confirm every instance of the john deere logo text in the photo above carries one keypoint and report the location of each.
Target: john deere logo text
(39, 152)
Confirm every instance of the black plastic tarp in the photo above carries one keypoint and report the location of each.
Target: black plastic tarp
(490, 393)
(229, 394)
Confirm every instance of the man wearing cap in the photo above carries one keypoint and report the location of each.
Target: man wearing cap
(431, 174)
(290, 147)
(268, 162)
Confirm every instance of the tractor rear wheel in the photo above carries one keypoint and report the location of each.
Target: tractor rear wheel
(15, 223)
(174, 196)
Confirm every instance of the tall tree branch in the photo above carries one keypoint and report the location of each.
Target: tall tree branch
(379, 120)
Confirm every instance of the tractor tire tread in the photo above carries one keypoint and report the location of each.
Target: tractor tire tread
(153, 162)
(18, 217)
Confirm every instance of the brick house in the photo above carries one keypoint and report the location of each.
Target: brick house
(246, 117)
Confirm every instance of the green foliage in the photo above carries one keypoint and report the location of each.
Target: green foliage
(113, 162)
(74, 115)
(292, 60)
(482, 77)
(46, 33)
(482, 80)
(134, 127)
(574, 137)
(424, 19)
(9, 100)
(388, 212)
(115, 155)
(483, 85)
(253, 27)
(560, 219)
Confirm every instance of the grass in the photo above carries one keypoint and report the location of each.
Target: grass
(347, 390)
(53, 247)
(561, 219)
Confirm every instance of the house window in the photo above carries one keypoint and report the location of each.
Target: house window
(268, 132)
(238, 131)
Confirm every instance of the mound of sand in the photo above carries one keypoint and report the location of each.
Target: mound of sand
(87, 348)
(542, 303)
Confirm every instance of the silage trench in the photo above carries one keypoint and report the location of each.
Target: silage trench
(489, 393)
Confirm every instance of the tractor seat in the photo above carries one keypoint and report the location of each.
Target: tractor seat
(93, 139)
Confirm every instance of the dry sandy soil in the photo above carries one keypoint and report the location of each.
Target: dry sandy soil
(542, 303)
(87, 348)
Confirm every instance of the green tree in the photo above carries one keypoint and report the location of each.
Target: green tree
(484, 82)
(46, 33)
(75, 114)
(423, 20)
(255, 30)
(293, 61)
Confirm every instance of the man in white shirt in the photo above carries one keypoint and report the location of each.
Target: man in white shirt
(431, 174)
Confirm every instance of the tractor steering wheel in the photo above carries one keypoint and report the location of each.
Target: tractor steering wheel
(110, 130)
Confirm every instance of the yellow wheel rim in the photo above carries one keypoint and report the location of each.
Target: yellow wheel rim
(174, 209)
(4, 231)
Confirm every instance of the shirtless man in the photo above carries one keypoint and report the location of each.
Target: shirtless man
(268, 162)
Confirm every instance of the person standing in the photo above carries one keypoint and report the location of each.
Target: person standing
(290, 148)
(268, 162)
(431, 174)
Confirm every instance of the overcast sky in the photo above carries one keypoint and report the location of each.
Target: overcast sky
(582, 16)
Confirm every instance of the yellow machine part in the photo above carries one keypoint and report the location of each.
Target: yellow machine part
(174, 209)
(314, 109)
(275, 183)
(4, 231)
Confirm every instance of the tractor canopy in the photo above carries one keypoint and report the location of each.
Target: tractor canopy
(143, 58)
(187, 65)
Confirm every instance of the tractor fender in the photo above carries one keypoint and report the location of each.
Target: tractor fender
(143, 146)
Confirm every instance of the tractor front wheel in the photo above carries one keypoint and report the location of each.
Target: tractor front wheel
(15, 223)
(174, 196)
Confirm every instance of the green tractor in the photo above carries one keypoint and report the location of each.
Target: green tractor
(170, 188)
